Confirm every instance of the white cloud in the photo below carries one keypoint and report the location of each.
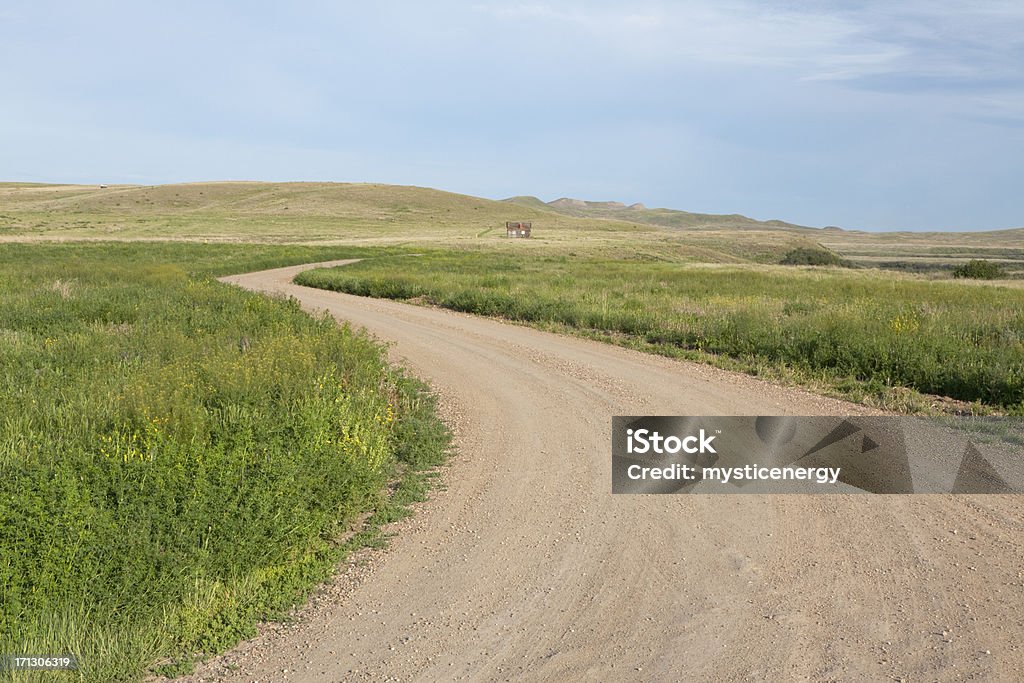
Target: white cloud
(955, 40)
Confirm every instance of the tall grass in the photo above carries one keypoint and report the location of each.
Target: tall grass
(863, 328)
(179, 458)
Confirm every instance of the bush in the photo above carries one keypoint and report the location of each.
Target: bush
(809, 256)
(978, 269)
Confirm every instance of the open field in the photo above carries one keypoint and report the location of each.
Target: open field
(179, 458)
(850, 331)
(385, 215)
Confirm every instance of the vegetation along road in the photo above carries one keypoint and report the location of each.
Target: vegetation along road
(525, 565)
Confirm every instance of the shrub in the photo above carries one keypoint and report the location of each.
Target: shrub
(978, 269)
(809, 256)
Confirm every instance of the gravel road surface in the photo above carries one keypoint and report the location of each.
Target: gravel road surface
(525, 567)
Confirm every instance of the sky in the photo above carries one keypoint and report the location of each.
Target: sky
(872, 115)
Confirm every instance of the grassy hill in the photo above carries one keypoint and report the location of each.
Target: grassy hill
(669, 218)
(376, 214)
(245, 198)
(343, 213)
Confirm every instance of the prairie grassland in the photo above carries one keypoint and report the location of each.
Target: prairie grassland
(181, 458)
(355, 214)
(857, 333)
(268, 212)
(375, 214)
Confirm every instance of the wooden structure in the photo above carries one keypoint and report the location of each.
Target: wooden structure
(517, 229)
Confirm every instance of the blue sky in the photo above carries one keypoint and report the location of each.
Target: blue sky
(878, 115)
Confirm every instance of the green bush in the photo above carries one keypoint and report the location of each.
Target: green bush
(809, 256)
(978, 269)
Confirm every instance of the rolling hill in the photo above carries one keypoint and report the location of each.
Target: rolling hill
(638, 213)
(353, 213)
(368, 213)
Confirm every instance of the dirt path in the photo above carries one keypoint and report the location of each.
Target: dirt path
(526, 567)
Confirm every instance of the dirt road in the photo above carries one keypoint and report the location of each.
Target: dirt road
(525, 567)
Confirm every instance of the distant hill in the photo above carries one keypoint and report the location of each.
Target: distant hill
(361, 202)
(367, 213)
(292, 211)
(638, 213)
(365, 200)
(529, 202)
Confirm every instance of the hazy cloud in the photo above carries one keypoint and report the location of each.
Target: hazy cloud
(818, 41)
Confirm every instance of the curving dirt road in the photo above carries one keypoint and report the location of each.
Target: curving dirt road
(525, 567)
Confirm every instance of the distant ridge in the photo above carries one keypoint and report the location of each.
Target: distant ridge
(322, 210)
(569, 203)
(638, 213)
(531, 202)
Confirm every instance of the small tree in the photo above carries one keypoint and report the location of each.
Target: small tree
(808, 256)
(978, 269)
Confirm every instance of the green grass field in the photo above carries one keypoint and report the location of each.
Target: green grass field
(181, 458)
(853, 332)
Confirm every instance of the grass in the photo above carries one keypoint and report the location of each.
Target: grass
(855, 333)
(373, 214)
(181, 458)
(271, 212)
